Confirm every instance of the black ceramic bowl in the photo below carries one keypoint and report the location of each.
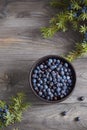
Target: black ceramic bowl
(43, 60)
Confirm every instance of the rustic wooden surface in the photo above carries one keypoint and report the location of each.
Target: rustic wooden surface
(21, 44)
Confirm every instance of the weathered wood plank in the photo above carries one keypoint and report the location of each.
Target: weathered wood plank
(18, 70)
(49, 118)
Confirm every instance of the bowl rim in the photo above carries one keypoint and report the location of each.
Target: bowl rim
(38, 62)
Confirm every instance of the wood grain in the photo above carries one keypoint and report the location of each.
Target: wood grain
(21, 44)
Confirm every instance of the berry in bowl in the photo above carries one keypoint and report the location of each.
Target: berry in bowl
(52, 78)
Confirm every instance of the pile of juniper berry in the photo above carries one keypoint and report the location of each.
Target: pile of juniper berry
(52, 79)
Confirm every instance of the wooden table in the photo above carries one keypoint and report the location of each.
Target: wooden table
(21, 44)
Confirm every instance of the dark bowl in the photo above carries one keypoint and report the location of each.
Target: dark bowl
(38, 62)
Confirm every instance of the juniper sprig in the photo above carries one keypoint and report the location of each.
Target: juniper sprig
(73, 12)
(12, 112)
